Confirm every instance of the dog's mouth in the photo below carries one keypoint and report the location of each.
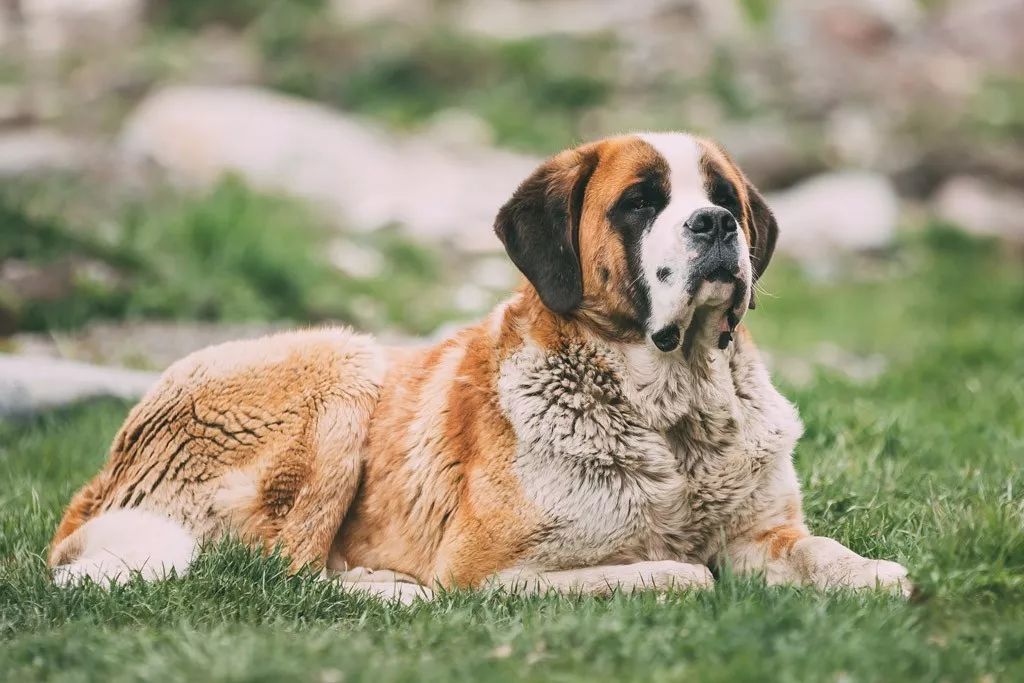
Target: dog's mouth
(720, 288)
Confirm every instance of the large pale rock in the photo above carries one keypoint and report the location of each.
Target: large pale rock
(30, 384)
(835, 213)
(38, 149)
(982, 208)
(363, 176)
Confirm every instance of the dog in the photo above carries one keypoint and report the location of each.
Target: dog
(610, 426)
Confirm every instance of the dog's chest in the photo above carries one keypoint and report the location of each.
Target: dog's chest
(623, 473)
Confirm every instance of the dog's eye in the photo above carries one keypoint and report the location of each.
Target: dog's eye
(636, 204)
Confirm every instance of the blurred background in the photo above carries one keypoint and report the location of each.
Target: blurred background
(179, 172)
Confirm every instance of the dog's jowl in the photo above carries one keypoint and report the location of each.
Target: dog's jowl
(610, 425)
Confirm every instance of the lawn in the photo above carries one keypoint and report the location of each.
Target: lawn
(921, 464)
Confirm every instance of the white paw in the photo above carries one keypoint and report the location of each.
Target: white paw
(828, 564)
(861, 572)
(892, 575)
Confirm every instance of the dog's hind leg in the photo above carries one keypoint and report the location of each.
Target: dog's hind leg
(297, 499)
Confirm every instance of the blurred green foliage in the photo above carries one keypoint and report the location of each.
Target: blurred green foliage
(230, 254)
(998, 108)
(531, 92)
(194, 14)
(757, 12)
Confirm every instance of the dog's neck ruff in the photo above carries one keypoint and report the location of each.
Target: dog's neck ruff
(660, 387)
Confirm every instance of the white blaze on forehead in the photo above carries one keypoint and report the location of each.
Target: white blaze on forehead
(664, 246)
(682, 153)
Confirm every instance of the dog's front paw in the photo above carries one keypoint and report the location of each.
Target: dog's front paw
(828, 564)
(886, 574)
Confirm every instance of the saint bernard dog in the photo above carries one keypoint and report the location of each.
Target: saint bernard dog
(611, 426)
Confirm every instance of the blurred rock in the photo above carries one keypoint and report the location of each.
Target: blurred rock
(495, 273)
(369, 11)
(509, 19)
(55, 26)
(990, 30)
(770, 153)
(37, 149)
(355, 260)
(37, 281)
(458, 128)
(7, 26)
(364, 177)
(855, 136)
(800, 370)
(31, 384)
(148, 345)
(982, 208)
(833, 213)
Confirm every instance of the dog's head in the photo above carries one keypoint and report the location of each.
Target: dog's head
(648, 235)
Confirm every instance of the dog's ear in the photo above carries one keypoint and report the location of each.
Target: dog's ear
(539, 227)
(764, 231)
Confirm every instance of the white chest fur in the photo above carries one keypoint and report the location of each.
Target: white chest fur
(633, 456)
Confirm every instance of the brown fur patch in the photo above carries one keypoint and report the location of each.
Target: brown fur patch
(608, 307)
(778, 541)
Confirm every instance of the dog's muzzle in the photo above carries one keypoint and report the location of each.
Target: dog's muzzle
(712, 233)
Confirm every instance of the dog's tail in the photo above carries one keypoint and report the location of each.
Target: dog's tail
(115, 544)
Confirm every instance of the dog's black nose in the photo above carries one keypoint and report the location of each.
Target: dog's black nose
(712, 222)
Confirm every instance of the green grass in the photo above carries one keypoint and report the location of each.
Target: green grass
(922, 465)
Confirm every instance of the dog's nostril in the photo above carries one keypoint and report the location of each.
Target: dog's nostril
(700, 222)
(728, 223)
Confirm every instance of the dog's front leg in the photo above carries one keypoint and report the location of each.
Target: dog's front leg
(787, 553)
(657, 576)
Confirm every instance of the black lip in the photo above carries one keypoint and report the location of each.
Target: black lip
(667, 338)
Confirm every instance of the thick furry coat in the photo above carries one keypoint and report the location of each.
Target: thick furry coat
(611, 424)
